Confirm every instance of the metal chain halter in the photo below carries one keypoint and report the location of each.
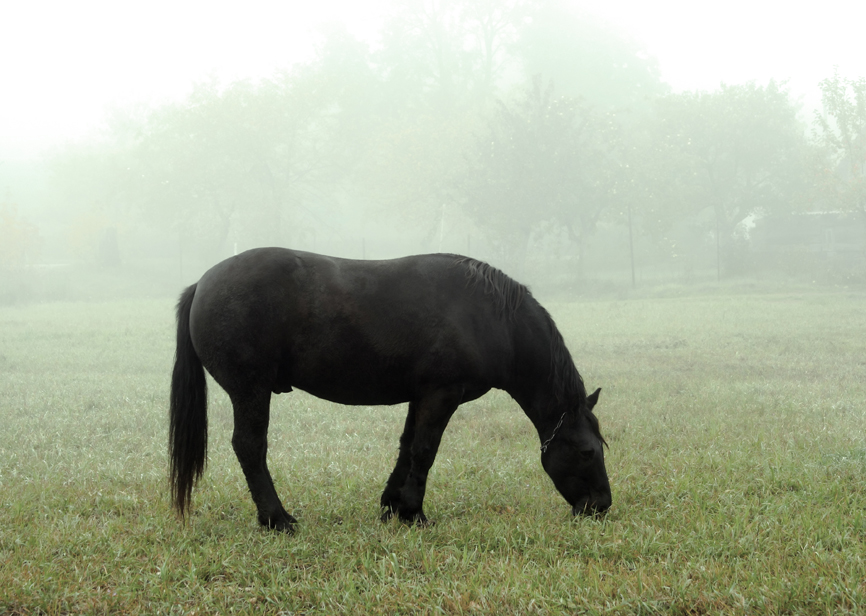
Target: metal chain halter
(545, 444)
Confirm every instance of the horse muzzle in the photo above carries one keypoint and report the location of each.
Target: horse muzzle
(593, 505)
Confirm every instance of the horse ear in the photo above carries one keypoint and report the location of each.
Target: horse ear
(592, 399)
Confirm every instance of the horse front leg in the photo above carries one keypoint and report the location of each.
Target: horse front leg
(431, 417)
(250, 442)
(390, 501)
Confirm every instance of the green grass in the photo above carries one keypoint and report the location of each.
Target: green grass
(737, 461)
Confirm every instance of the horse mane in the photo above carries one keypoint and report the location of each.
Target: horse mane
(567, 382)
(507, 293)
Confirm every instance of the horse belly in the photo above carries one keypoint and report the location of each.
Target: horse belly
(352, 366)
(359, 382)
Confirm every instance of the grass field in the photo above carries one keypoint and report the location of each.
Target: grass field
(737, 431)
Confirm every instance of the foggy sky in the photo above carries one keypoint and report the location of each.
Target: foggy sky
(63, 64)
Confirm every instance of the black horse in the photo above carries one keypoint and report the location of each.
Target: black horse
(433, 330)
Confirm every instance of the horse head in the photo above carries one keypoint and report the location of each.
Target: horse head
(574, 458)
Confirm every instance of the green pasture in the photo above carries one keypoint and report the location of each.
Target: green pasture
(737, 432)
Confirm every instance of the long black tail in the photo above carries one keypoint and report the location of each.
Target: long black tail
(187, 431)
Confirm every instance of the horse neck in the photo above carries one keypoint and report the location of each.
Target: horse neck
(540, 370)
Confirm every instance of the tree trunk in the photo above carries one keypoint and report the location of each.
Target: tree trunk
(180, 238)
(581, 252)
(523, 250)
(718, 249)
(631, 247)
(581, 256)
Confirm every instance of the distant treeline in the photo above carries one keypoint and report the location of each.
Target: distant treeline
(516, 125)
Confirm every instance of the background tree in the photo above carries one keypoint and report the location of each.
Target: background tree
(652, 191)
(543, 159)
(842, 130)
(442, 55)
(586, 57)
(248, 164)
(495, 27)
(439, 68)
(745, 152)
(447, 121)
(19, 238)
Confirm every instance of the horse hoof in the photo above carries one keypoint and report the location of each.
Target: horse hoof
(418, 520)
(284, 523)
(387, 514)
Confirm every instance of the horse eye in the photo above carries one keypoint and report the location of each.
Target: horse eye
(587, 454)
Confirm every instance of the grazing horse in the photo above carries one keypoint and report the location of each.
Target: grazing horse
(431, 330)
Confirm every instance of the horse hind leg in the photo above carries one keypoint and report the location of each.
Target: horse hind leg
(250, 443)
